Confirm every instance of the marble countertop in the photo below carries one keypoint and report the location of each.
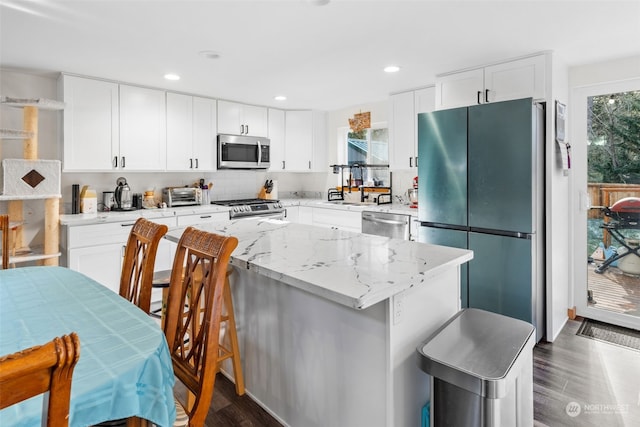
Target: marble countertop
(118, 216)
(353, 269)
(115, 216)
(391, 207)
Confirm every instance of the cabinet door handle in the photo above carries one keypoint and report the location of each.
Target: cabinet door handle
(197, 166)
(416, 161)
(410, 161)
(247, 129)
(478, 96)
(309, 164)
(283, 164)
(190, 163)
(115, 161)
(241, 129)
(122, 162)
(486, 95)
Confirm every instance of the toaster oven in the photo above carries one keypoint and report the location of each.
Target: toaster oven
(181, 196)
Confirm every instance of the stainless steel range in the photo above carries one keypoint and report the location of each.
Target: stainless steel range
(244, 208)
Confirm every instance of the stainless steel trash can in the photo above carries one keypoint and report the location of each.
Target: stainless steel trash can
(482, 369)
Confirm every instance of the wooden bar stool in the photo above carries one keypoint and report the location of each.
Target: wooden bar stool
(162, 278)
(228, 317)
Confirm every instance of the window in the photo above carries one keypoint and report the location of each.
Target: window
(369, 146)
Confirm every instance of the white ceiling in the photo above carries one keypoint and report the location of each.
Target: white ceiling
(321, 57)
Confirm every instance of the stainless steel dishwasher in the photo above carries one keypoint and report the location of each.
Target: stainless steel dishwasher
(386, 224)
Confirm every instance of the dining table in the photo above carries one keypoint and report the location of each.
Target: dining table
(124, 370)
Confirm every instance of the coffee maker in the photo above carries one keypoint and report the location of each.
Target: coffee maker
(123, 195)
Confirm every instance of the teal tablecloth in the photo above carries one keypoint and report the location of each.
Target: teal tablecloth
(124, 368)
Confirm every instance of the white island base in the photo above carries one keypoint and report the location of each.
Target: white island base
(312, 362)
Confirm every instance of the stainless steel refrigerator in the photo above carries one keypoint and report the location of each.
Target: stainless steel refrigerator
(481, 187)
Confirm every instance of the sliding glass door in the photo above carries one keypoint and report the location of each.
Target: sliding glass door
(606, 177)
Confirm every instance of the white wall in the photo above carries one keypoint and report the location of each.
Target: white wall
(603, 72)
(557, 210)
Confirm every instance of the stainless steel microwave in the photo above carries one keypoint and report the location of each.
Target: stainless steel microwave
(243, 152)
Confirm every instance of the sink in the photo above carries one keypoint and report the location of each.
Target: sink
(345, 203)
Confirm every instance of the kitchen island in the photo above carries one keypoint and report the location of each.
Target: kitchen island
(328, 320)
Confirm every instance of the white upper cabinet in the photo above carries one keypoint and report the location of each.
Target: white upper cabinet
(520, 78)
(179, 132)
(276, 138)
(403, 146)
(516, 79)
(425, 100)
(402, 131)
(319, 160)
(91, 130)
(143, 137)
(191, 133)
(205, 133)
(298, 140)
(242, 119)
(460, 89)
(304, 148)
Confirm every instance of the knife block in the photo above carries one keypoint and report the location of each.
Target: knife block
(264, 195)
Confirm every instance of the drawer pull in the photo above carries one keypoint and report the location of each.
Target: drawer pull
(205, 216)
(131, 224)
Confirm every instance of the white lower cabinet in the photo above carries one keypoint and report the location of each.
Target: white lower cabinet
(185, 220)
(102, 263)
(97, 250)
(292, 214)
(337, 218)
(305, 215)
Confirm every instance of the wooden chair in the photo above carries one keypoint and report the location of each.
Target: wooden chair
(4, 229)
(139, 262)
(41, 369)
(194, 310)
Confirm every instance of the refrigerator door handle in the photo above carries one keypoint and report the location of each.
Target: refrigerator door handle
(505, 233)
(444, 226)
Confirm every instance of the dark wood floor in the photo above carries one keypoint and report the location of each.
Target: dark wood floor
(602, 379)
(230, 410)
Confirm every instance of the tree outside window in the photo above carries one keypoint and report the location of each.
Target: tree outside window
(614, 138)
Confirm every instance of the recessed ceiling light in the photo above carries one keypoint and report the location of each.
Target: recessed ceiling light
(391, 69)
(209, 54)
(172, 76)
(280, 98)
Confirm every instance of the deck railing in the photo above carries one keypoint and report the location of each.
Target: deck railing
(606, 194)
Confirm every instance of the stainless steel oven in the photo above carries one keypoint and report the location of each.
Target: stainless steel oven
(251, 208)
(243, 152)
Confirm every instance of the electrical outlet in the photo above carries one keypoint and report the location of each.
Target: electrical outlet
(398, 308)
